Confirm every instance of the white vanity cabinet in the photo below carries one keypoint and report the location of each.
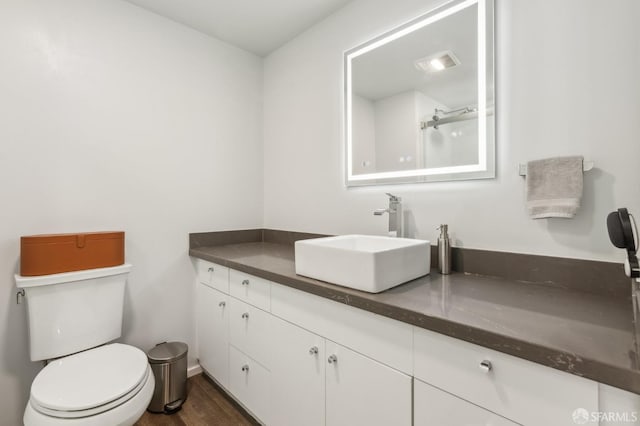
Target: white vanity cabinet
(293, 358)
(233, 336)
(275, 360)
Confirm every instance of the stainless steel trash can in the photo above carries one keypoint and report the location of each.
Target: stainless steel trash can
(169, 365)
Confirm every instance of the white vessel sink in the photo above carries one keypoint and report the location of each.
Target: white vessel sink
(363, 262)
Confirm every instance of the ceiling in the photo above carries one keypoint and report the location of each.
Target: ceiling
(257, 26)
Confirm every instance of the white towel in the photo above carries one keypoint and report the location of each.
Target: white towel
(554, 187)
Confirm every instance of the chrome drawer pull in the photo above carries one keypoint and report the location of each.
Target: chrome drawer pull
(210, 269)
(332, 359)
(245, 315)
(245, 282)
(486, 366)
(222, 304)
(245, 368)
(313, 350)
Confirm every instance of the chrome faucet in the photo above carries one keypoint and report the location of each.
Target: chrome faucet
(395, 216)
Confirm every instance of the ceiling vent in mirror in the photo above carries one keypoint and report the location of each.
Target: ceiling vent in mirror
(438, 62)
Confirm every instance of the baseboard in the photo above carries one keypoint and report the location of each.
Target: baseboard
(194, 370)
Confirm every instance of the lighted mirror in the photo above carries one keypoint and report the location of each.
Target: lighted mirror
(419, 100)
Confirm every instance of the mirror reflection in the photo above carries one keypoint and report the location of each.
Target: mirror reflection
(419, 101)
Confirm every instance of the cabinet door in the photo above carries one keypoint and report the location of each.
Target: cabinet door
(361, 391)
(213, 332)
(434, 407)
(297, 373)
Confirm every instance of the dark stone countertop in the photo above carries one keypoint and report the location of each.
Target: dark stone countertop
(580, 333)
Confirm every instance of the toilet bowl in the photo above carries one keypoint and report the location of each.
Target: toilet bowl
(105, 386)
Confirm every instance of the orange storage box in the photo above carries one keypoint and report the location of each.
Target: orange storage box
(56, 253)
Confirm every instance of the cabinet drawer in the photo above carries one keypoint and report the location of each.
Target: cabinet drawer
(517, 389)
(253, 290)
(249, 382)
(250, 330)
(213, 275)
(433, 406)
(383, 339)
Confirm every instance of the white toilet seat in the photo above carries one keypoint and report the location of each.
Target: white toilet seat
(109, 385)
(91, 411)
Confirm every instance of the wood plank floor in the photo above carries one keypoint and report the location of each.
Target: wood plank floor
(206, 405)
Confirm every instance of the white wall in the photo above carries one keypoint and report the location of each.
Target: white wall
(567, 83)
(112, 118)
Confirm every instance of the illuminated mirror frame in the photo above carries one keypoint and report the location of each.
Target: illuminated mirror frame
(486, 151)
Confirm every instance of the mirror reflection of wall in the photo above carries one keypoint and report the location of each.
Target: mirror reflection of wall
(414, 100)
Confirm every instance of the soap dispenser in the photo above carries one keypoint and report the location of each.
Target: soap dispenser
(444, 250)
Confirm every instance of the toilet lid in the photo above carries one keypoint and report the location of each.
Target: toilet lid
(89, 379)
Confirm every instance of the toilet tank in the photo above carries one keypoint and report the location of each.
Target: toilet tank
(73, 311)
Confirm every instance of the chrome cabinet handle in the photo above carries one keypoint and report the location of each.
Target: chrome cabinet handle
(245, 315)
(245, 368)
(486, 366)
(313, 350)
(332, 359)
(245, 282)
(222, 304)
(210, 269)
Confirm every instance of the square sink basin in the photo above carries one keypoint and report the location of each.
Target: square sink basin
(363, 262)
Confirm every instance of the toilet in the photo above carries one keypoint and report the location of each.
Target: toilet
(87, 380)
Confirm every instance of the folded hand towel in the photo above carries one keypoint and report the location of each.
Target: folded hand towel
(554, 187)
